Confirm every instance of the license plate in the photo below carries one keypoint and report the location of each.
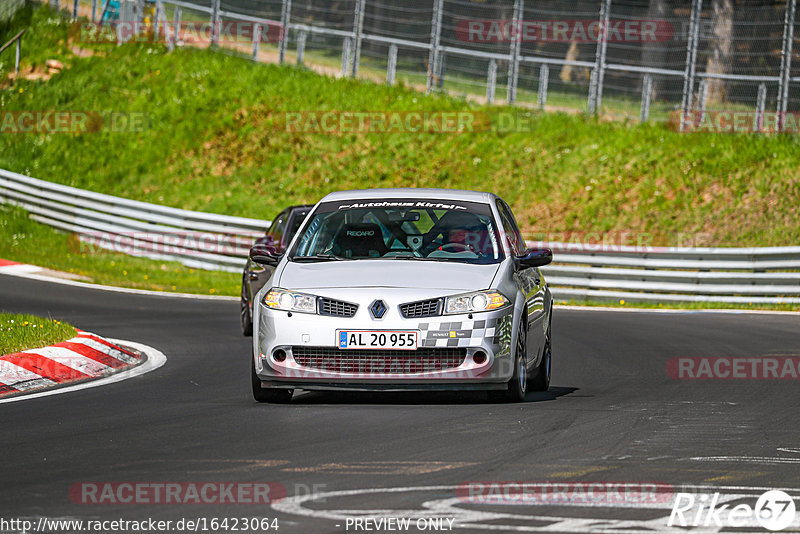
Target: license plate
(377, 339)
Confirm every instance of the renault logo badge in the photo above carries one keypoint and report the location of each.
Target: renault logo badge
(377, 309)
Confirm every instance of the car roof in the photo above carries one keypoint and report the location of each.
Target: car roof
(411, 192)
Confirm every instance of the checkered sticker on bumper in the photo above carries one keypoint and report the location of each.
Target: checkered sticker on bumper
(468, 333)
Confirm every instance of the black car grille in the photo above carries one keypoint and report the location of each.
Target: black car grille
(336, 308)
(379, 361)
(422, 308)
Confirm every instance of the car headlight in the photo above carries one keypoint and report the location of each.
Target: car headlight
(281, 299)
(474, 302)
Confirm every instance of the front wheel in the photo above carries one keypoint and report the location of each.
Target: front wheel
(261, 394)
(244, 312)
(541, 382)
(518, 384)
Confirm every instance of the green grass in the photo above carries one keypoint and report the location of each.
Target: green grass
(215, 142)
(27, 241)
(20, 332)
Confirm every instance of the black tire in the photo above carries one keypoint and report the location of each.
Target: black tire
(272, 395)
(518, 385)
(541, 382)
(245, 317)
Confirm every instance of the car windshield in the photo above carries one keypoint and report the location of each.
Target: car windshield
(400, 229)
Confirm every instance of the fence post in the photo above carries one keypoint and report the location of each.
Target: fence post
(74, 9)
(433, 55)
(391, 67)
(442, 68)
(177, 32)
(169, 37)
(347, 45)
(127, 13)
(301, 46)
(159, 8)
(544, 79)
(691, 60)
(647, 91)
(761, 105)
(516, 44)
(702, 98)
(16, 58)
(598, 73)
(94, 10)
(491, 81)
(358, 27)
(286, 13)
(215, 22)
(256, 40)
(786, 62)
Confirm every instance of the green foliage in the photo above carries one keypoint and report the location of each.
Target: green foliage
(20, 332)
(216, 141)
(27, 241)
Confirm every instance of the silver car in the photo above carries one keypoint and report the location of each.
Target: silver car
(402, 290)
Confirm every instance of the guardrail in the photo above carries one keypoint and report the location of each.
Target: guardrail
(656, 274)
(581, 272)
(196, 239)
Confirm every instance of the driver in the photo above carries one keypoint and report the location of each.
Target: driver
(462, 232)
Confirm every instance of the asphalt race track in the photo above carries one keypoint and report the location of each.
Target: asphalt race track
(613, 414)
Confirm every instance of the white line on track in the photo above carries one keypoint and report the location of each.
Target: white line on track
(490, 520)
(22, 273)
(155, 359)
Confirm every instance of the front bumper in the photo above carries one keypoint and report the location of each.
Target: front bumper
(455, 352)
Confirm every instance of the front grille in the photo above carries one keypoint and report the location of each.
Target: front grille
(423, 308)
(379, 361)
(336, 308)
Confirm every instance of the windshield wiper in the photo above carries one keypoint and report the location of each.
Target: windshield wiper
(318, 257)
(421, 258)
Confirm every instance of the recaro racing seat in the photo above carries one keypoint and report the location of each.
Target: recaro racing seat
(362, 240)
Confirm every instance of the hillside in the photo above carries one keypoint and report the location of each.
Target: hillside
(215, 140)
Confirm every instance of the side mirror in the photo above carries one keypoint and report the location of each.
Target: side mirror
(264, 254)
(534, 257)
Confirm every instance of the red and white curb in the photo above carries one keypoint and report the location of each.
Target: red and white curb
(84, 357)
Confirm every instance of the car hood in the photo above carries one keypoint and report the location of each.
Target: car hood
(387, 273)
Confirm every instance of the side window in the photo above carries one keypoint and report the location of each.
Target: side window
(511, 229)
(294, 226)
(276, 230)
